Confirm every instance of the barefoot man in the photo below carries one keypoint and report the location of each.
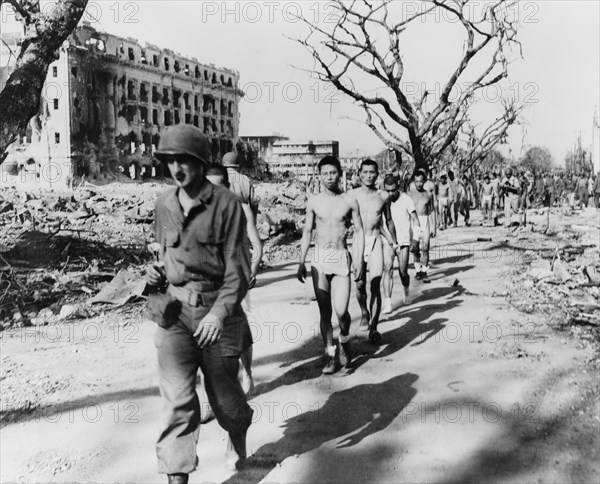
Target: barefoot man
(423, 201)
(371, 206)
(330, 268)
(401, 211)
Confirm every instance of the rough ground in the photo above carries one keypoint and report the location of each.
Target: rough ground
(485, 378)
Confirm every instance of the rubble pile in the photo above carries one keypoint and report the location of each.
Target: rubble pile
(282, 209)
(559, 279)
(58, 249)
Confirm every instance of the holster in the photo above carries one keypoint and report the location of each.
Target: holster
(163, 309)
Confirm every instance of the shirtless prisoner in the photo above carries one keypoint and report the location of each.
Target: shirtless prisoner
(330, 268)
(423, 201)
(445, 197)
(486, 195)
(371, 206)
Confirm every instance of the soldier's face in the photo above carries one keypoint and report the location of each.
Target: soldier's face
(330, 176)
(368, 175)
(185, 171)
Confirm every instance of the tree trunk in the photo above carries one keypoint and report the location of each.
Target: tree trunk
(20, 98)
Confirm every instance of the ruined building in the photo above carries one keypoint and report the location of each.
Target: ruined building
(105, 103)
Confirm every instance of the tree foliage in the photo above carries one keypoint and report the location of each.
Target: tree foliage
(366, 46)
(538, 159)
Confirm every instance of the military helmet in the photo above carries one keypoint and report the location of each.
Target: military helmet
(230, 159)
(183, 139)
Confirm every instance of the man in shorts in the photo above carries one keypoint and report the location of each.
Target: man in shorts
(330, 211)
(402, 212)
(371, 206)
(486, 195)
(511, 189)
(423, 201)
(444, 199)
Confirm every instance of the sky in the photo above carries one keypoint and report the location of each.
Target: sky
(558, 77)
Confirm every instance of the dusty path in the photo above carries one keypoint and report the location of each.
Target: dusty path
(463, 389)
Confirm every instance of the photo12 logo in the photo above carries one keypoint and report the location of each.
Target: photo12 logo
(270, 12)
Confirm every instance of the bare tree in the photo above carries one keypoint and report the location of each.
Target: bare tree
(365, 43)
(45, 32)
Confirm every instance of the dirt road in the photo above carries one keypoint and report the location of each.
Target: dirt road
(463, 389)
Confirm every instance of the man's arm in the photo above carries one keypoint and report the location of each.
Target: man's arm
(257, 249)
(237, 270)
(359, 238)
(390, 224)
(306, 236)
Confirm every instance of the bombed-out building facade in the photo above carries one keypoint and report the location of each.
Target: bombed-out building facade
(106, 101)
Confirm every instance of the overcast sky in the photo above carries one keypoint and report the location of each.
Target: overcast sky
(559, 77)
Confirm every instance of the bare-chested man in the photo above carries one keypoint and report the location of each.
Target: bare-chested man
(486, 195)
(371, 205)
(445, 197)
(423, 201)
(330, 267)
(402, 211)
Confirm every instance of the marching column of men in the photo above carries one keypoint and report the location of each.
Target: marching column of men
(210, 253)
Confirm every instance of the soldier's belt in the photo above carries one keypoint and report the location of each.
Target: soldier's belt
(196, 293)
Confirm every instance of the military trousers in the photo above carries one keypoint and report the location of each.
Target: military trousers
(179, 358)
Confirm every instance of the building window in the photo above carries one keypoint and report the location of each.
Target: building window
(166, 63)
(167, 118)
(155, 117)
(177, 120)
(57, 138)
(131, 54)
(155, 60)
(55, 102)
(54, 71)
(176, 66)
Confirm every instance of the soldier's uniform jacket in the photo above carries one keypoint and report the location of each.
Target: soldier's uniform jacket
(209, 245)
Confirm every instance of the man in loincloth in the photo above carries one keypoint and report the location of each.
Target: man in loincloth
(486, 195)
(423, 201)
(444, 199)
(371, 206)
(330, 211)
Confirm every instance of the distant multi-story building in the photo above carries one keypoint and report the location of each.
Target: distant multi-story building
(107, 99)
(300, 157)
(263, 144)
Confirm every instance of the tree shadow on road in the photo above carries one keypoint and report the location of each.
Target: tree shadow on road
(349, 415)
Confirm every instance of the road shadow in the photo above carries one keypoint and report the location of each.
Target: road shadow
(348, 416)
(415, 329)
(48, 413)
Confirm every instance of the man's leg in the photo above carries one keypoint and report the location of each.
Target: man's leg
(340, 295)
(403, 270)
(361, 296)
(178, 356)
(507, 212)
(387, 279)
(375, 274)
(323, 294)
(425, 242)
(228, 400)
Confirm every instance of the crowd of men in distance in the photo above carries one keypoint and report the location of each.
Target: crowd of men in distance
(395, 216)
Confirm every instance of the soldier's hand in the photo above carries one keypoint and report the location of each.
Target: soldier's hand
(301, 273)
(155, 274)
(209, 330)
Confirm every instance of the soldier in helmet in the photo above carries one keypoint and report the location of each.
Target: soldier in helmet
(201, 229)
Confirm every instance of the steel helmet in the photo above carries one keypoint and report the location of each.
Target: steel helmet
(230, 159)
(183, 139)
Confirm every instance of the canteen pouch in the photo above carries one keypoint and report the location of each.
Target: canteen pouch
(163, 309)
